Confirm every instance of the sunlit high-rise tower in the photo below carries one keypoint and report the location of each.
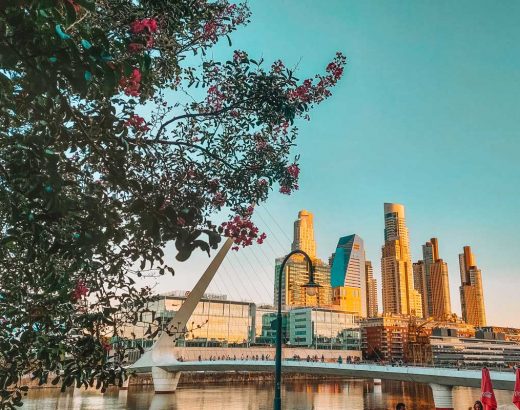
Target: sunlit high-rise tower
(296, 272)
(372, 306)
(304, 234)
(399, 295)
(432, 282)
(471, 292)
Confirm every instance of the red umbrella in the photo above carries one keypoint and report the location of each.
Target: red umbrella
(488, 395)
(516, 392)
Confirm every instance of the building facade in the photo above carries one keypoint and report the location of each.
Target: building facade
(324, 329)
(384, 338)
(295, 276)
(399, 294)
(471, 290)
(440, 290)
(215, 322)
(482, 350)
(296, 272)
(371, 287)
(303, 235)
(432, 282)
(348, 276)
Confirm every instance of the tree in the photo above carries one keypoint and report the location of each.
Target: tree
(118, 135)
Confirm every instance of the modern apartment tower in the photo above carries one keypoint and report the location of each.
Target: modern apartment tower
(471, 292)
(348, 276)
(432, 282)
(371, 286)
(399, 295)
(296, 272)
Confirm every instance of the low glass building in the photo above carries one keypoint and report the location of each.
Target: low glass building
(218, 322)
(323, 329)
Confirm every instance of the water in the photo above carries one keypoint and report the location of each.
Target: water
(301, 395)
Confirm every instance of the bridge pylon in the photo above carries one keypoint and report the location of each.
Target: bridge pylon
(162, 353)
(442, 396)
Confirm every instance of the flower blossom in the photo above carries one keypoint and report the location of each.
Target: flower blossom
(132, 84)
(137, 123)
(147, 24)
(79, 291)
(293, 170)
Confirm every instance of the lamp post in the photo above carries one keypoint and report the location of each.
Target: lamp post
(311, 288)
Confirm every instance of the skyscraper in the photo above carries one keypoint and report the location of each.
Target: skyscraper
(471, 292)
(296, 272)
(399, 295)
(348, 277)
(432, 282)
(371, 286)
(304, 234)
(440, 290)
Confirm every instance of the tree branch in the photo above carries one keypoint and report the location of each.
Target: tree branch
(195, 115)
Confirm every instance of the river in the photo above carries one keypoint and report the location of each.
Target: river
(301, 395)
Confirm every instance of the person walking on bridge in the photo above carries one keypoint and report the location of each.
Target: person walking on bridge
(400, 406)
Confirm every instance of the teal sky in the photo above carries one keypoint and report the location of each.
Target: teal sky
(426, 115)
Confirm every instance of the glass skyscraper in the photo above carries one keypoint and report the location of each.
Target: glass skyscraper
(348, 275)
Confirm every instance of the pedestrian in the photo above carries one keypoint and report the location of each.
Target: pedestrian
(400, 406)
(478, 405)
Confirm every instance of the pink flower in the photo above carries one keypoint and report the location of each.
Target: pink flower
(138, 26)
(293, 170)
(242, 230)
(137, 123)
(285, 190)
(219, 199)
(132, 84)
(79, 291)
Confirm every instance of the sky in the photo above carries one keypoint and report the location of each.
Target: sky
(426, 115)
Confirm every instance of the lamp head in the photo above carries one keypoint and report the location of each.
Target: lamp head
(311, 287)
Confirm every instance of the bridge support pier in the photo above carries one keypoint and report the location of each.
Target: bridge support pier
(442, 396)
(164, 381)
(125, 383)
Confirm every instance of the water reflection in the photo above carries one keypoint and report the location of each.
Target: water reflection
(342, 394)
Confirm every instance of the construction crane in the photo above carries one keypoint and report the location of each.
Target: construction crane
(417, 348)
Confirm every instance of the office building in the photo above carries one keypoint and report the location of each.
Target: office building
(371, 287)
(296, 272)
(215, 322)
(399, 294)
(432, 282)
(304, 234)
(440, 291)
(485, 349)
(348, 276)
(471, 290)
(323, 329)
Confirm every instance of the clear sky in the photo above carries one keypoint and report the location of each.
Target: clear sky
(426, 115)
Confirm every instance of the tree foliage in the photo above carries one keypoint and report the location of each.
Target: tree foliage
(118, 134)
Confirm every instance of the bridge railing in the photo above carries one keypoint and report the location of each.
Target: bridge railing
(203, 355)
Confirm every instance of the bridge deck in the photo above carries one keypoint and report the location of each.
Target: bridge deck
(447, 377)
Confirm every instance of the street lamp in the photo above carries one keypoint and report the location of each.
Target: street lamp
(311, 288)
